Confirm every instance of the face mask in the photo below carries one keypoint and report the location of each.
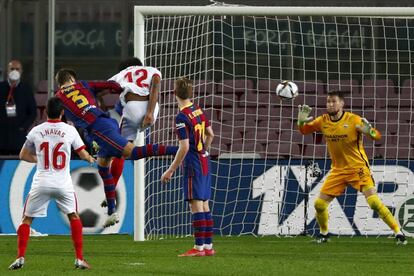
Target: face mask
(14, 75)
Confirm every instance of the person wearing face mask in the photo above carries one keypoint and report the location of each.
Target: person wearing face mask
(17, 109)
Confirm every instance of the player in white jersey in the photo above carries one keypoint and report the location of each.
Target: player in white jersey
(139, 106)
(49, 145)
(140, 100)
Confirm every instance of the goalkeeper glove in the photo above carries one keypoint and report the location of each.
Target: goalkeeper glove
(366, 128)
(303, 115)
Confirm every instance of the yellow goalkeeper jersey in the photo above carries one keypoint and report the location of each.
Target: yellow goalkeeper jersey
(344, 141)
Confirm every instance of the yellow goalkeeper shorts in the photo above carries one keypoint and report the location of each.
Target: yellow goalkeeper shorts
(337, 180)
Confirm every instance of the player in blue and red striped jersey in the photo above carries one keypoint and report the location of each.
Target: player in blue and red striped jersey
(78, 98)
(195, 136)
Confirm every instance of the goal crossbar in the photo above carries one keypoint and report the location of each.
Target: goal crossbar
(279, 11)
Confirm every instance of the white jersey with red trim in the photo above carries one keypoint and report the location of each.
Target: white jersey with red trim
(52, 142)
(136, 79)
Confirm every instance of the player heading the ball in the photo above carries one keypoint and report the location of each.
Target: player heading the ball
(78, 98)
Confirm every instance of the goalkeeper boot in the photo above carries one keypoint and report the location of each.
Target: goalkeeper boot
(81, 264)
(193, 253)
(400, 239)
(111, 220)
(17, 264)
(210, 252)
(322, 238)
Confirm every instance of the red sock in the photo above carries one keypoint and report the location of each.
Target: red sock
(76, 228)
(23, 234)
(116, 168)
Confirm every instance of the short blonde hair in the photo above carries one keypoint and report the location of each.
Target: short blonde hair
(183, 88)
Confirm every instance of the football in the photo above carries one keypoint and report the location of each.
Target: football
(287, 90)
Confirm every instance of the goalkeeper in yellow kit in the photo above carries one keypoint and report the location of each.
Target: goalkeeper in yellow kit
(343, 132)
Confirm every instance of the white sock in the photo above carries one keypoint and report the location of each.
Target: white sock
(199, 247)
(208, 246)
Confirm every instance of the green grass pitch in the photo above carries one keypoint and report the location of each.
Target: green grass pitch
(247, 255)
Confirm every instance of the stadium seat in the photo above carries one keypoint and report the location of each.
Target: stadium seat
(282, 150)
(262, 136)
(287, 125)
(221, 100)
(247, 147)
(167, 98)
(202, 88)
(392, 127)
(242, 113)
(229, 137)
(315, 151)
(252, 99)
(309, 99)
(218, 148)
(267, 85)
(162, 135)
(41, 100)
(369, 114)
(310, 87)
(42, 86)
(301, 139)
(406, 94)
(349, 87)
(403, 115)
(270, 113)
(167, 85)
(228, 113)
(238, 86)
(382, 90)
(211, 113)
(274, 125)
(243, 126)
(403, 141)
(295, 136)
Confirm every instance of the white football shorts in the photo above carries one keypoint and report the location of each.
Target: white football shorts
(132, 117)
(38, 200)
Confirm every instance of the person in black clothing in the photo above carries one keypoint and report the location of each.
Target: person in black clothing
(17, 110)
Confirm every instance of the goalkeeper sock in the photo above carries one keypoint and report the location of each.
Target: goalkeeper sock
(23, 235)
(199, 225)
(76, 231)
(109, 187)
(208, 237)
(376, 204)
(152, 150)
(117, 166)
(322, 216)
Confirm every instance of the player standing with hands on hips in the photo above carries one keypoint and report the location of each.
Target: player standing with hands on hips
(49, 145)
(343, 132)
(195, 136)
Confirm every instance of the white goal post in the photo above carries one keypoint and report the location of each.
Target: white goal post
(288, 58)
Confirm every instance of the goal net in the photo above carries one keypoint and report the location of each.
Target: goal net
(265, 175)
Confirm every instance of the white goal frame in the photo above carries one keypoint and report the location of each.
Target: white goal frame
(139, 44)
